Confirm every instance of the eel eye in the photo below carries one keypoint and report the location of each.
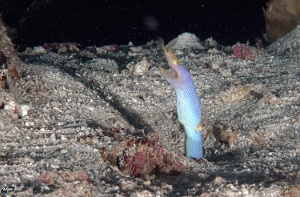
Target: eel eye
(176, 62)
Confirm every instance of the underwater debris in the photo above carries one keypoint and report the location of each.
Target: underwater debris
(240, 92)
(136, 49)
(219, 180)
(62, 48)
(13, 111)
(35, 51)
(224, 134)
(141, 68)
(142, 157)
(105, 49)
(242, 51)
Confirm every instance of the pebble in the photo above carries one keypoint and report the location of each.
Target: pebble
(63, 138)
(127, 184)
(24, 110)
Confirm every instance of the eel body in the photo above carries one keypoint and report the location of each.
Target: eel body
(187, 102)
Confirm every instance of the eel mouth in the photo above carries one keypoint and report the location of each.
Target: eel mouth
(173, 75)
(174, 72)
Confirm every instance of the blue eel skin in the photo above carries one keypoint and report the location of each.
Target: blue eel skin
(188, 105)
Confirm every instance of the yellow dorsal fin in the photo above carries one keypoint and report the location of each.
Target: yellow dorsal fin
(199, 127)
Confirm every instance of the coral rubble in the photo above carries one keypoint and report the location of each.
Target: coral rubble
(143, 157)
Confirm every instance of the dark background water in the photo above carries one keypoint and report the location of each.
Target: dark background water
(97, 22)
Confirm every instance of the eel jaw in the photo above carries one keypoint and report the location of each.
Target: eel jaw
(174, 72)
(173, 76)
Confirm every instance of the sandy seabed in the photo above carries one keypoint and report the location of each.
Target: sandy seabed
(68, 109)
